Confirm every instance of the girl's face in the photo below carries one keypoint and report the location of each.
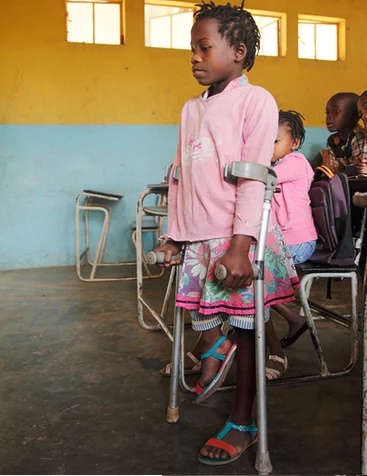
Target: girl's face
(214, 62)
(362, 108)
(284, 143)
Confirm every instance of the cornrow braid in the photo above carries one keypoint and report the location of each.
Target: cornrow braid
(293, 120)
(235, 24)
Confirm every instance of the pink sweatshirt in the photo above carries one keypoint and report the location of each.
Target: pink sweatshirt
(241, 123)
(291, 207)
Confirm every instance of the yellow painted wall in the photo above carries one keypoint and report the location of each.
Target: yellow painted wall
(45, 80)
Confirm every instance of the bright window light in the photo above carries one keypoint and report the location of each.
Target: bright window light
(94, 21)
(168, 25)
(269, 29)
(317, 40)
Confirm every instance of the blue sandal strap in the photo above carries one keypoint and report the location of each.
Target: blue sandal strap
(231, 426)
(211, 352)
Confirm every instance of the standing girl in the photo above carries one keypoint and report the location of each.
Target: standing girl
(219, 223)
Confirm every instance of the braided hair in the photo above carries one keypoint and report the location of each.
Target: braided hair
(235, 24)
(293, 120)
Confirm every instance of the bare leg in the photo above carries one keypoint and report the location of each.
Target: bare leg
(211, 365)
(272, 341)
(245, 395)
(199, 348)
(277, 362)
(294, 319)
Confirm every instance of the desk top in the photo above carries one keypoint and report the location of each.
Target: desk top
(159, 188)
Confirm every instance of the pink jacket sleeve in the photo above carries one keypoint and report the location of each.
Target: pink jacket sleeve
(260, 130)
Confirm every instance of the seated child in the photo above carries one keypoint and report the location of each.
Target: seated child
(345, 145)
(362, 110)
(292, 211)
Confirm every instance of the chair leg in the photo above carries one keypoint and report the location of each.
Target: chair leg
(77, 238)
(101, 243)
(307, 293)
(364, 391)
(354, 322)
(304, 290)
(86, 234)
(169, 289)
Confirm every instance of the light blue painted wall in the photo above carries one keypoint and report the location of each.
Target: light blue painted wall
(43, 168)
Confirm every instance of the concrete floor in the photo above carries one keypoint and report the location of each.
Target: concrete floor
(81, 392)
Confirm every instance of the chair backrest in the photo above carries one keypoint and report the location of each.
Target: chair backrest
(330, 203)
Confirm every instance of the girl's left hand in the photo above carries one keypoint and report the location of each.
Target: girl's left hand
(237, 263)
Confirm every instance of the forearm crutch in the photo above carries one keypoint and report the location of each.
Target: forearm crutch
(177, 340)
(250, 171)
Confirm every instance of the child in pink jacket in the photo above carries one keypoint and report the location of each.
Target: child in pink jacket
(218, 222)
(292, 211)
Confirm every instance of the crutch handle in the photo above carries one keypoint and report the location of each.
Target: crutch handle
(158, 258)
(221, 271)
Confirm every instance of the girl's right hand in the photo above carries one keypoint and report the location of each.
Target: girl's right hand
(170, 248)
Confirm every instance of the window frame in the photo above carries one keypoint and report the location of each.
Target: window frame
(122, 18)
(340, 34)
(282, 30)
(173, 4)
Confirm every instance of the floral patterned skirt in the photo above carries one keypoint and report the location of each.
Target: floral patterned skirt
(200, 291)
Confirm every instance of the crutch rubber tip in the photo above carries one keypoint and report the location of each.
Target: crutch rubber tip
(220, 272)
(172, 414)
(263, 465)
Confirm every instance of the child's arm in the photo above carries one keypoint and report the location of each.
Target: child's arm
(291, 168)
(259, 131)
(171, 247)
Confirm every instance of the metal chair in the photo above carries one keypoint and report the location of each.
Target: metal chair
(157, 212)
(89, 201)
(360, 200)
(308, 272)
(151, 221)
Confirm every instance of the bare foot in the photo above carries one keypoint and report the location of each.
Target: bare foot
(276, 365)
(192, 366)
(239, 439)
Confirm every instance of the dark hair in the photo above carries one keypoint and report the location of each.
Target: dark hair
(363, 94)
(235, 24)
(293, 120)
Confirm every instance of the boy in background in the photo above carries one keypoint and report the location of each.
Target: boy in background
(345, 145)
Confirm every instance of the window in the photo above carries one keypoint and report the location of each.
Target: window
(269, 27)
(94, 21)
(321, 38)
(168, 24)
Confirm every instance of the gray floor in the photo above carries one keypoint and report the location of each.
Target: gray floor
(81, 392)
